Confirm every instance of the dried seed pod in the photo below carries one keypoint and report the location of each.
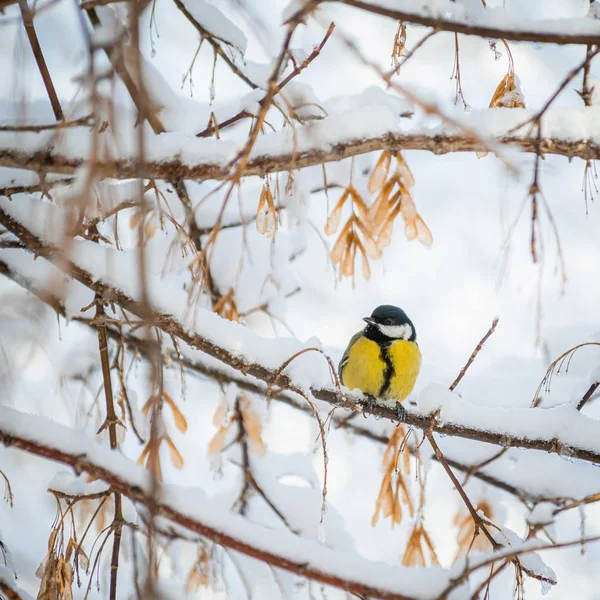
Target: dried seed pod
(180, 420)
(403, 170)
(380, 172)
(337, 252)
(399, 48)
(423, 233)
(266, 216)
(176, 457)
(333, 221)
(508, 93)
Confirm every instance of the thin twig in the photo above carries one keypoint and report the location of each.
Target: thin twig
(474, 354)
(588, 395)
(39, 59)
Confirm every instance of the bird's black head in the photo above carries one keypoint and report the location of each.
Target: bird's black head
(388, 323)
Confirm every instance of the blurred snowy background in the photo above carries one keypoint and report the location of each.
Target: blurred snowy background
(474, 271)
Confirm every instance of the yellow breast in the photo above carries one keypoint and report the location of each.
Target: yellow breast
(365, 368)
(406, 358)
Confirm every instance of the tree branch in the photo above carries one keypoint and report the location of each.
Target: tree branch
(540, 434)
(175, 168)
(39, 59)
(204, 517)
(225, 376)
(558, 31)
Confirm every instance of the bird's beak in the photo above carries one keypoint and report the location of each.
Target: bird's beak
(369, 320)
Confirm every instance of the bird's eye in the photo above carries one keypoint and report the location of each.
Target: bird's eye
(388, 322)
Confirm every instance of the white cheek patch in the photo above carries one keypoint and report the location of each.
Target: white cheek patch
(402, 332)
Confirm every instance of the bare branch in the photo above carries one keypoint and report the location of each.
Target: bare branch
(39, 58)
(279, 549)
(52, 160)
(170, 325)
(562, 32)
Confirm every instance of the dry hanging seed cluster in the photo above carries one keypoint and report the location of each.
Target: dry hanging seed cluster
(420, 551)
(415, 555)
(266, 215)
(349, 241)
(202, 573)
(508, 93)
(226, 307)
(394, 491)
(56, 571)
(399, 48)
(393, 198)
(467, 539)
(150, 456)
(225, 421)
(369, 229)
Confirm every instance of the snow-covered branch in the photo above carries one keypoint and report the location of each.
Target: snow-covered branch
(192, 509)
(490, 23)
(562, 430)
(567, 132)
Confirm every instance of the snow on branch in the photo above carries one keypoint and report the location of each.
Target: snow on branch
(562, 430)
(567, 132)
(191, 509)
(518, 484)
(490, 22)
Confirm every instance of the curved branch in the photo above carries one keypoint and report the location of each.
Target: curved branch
(556, 31)
(175, 168)
(512, 427)
(194, 511)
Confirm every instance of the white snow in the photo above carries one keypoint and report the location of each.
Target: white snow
(192, 503)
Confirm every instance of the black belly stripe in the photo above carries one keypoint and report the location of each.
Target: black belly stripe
(389, 369)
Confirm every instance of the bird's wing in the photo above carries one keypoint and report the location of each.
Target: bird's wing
(346, 356)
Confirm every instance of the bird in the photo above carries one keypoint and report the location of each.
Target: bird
(383, 359)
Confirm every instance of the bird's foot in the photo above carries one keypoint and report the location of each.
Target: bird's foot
(400, 413)
(370, 403)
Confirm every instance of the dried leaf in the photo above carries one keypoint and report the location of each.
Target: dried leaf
(508, 93)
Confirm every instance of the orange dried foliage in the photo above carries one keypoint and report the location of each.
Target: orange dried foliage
(369, 229)
(224, 422)
(394, 491)
(151, 222)
(399, 48)
(150, 456)
(56, 569)
(420, 551)
(252, 425)
(356, 235)
(466, 538)
(226, 307)
(508, 93)
(266, 215)
(202, 572)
